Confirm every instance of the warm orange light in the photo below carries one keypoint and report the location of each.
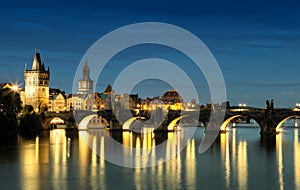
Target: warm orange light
(279, 130)
(15, 88)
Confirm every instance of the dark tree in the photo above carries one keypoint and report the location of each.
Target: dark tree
(10, 107)
(30, 122)
(28, 109)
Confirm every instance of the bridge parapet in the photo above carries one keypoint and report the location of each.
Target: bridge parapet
(268, 119)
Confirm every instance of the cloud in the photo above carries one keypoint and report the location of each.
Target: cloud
(275, 84)
(287, 92)
(267, 46)
(224, 51)
(260, 84)
(228, 68)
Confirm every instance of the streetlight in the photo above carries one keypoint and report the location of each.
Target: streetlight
(242, 105)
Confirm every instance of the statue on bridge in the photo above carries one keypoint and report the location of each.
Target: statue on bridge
(269, 107)
(272, 104)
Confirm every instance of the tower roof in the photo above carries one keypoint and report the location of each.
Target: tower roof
(36, 64)
(86, 72)
(108, 90)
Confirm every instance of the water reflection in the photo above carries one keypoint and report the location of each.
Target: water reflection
(296, 159)
(237, 161)
(242, 166)
(30, 157)
(279, 160)
(225, 157)
(191, 163)
(132, 149)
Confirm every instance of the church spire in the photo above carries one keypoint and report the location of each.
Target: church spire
(36, 64)
(86, 71)
(85, 84)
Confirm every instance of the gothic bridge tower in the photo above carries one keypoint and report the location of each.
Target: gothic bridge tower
(37, 84)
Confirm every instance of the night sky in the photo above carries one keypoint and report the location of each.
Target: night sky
(256, 43)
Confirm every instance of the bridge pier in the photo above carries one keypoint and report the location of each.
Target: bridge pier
(114, 125)
(268, 126)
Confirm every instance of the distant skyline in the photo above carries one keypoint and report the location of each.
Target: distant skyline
(256, 43)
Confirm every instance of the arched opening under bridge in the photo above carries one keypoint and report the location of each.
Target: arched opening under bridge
(173, 125)
(252, 122)
(127, 124)
(54, 122)
(290, 121)
(92, 121)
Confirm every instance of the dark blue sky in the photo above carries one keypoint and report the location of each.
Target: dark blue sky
(257, 44)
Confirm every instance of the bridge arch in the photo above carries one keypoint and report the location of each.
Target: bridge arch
(47, 121)
(127, 124)
(278, 126)
(228, 119)
(171, 126)
(85, 121)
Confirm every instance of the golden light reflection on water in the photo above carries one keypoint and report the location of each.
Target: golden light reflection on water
(296, 159)
(233, 153)
(225, 157)
(58, 142)
(242, 166)
(127, 141)
(235, 162)
(48, 156)
(279, 160)
(56, 149)
(29, 159)
(58, 155)
(191, 163)
(40, 151)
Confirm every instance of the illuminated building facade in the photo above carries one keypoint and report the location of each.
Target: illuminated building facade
(57, 100)
(37, 84)
(173, 100)
(95, 102)
(76, 102)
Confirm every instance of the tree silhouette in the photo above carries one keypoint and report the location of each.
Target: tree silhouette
(30, 122)
(10, 107)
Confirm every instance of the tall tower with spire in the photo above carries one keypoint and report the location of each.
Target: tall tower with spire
(37, 84)
(85, 84)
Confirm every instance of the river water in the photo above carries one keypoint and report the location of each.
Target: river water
(240, 159)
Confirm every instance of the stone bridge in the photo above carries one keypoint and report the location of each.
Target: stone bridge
(72, 119)
(269, 120)
(66, 116)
